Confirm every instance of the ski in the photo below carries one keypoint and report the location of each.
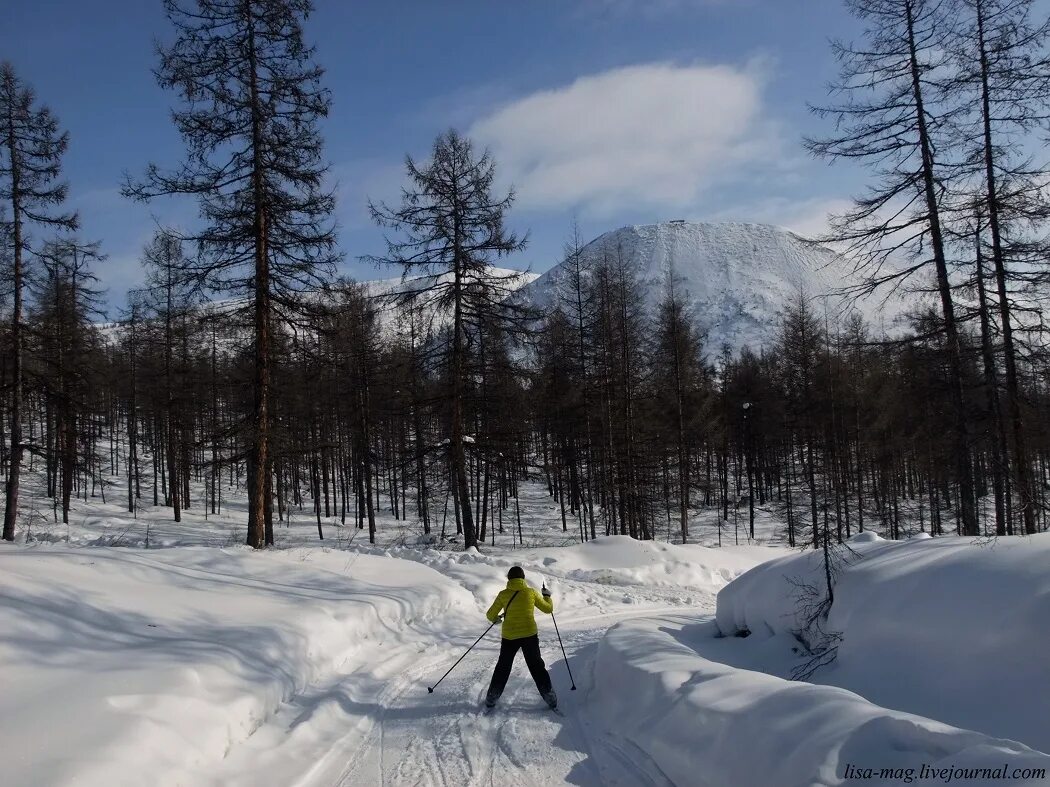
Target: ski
(485, 711)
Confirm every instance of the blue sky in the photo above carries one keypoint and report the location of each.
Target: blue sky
(611, 111)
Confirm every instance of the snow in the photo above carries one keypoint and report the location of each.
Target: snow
(160, 662)
(309, 665)
(705, 723)
(945, 627)
(385, 294)
(186, 658)
(736, 278)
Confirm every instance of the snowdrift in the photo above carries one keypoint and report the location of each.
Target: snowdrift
(708, 724)
(611, 574)
(621, 560)
(200, 665)
(947, 627)
(131, 667)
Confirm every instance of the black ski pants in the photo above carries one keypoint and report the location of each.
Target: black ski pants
(530, 646)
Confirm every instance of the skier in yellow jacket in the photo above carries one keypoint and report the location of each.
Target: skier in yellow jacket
(516, 602)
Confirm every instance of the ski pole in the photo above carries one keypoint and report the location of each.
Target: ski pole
(430, 689)
(566, 658)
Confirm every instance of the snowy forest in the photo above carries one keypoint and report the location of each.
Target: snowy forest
(451, 403)
(245, 356)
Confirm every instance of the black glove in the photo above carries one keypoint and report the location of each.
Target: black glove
(546, 593)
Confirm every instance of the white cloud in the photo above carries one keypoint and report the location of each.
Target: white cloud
(656, 134)
(806, 217)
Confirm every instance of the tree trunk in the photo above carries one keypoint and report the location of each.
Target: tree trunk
(260, 522)
(964, 471)
(15, 466)
(1021, 470)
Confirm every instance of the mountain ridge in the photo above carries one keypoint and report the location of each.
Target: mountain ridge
(735, 278)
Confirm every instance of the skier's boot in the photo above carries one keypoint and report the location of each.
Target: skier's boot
(551, 699)
(490, 699)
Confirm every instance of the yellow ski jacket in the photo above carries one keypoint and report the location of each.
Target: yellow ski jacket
(520, 620)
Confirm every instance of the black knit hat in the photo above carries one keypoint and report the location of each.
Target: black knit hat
(517, 572)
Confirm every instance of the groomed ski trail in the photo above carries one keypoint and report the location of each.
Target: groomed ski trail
(446, 739)
(376, 724)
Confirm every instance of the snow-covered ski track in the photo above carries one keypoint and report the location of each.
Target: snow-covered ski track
(376, 724)
(449, 739)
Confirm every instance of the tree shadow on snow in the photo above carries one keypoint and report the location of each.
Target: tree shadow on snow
(66, 629)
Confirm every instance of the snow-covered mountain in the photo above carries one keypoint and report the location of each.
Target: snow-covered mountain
(735, 278)
(386, 292)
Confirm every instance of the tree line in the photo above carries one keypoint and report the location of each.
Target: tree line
(246, 362)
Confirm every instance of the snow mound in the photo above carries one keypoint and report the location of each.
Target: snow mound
(603, 574)
(735, 278)
(622, 560)
(946, 627)
(704, 723)
(120, 663)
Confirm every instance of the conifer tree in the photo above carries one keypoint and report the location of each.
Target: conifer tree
(31, 150)
(889, 120)
(678, 373)
(1003, 70)
(251, 102)
(452, 229)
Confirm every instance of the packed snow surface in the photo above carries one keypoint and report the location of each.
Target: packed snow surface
(953, 628)
(309, 665)
(120, 663)
(140, 651)
(736, 279)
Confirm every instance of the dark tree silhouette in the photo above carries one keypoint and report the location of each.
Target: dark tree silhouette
(31, 150)
(251, 101)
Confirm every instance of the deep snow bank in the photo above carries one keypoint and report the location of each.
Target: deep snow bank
(946, 627)
(621, 560)
(707, 724)
(611, 573)
(132, 667)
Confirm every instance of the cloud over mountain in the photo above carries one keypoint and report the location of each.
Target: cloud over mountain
(656, 134)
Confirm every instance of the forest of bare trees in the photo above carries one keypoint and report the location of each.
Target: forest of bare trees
(246, 365)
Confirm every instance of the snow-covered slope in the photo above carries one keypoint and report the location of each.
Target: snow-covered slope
(310, 665)
(735, 278)
(384, 292)
(388, 294)
(705, 723)
(509, 278)
(944, 627)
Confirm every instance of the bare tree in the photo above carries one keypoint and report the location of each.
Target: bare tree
(1003, 70)
(887, 120)
(31, 150)
(251, 101)
(453, 226)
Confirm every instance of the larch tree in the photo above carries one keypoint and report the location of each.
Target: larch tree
(574, 301)
(1003, 71)
(251, 102)
(888, 120)
(68, 301)
(31, 150)
(451, 228)
(678, 367)
(170, 297)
